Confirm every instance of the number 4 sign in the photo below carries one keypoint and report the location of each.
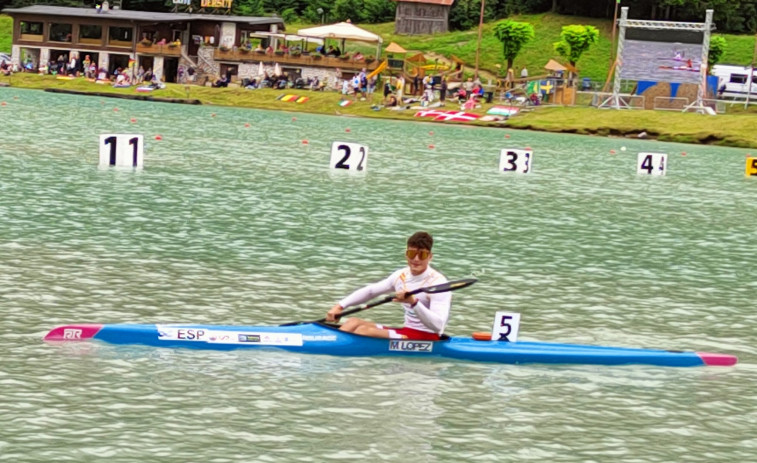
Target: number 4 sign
(651, 163)
(506, 326)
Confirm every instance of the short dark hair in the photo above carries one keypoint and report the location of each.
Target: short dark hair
(420, 240)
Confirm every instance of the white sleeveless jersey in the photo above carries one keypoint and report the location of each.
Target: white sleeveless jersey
(429, 314)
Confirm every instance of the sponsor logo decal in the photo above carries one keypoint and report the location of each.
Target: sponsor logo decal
(411, 346)
(70, 333)
(166, 333)
(329, 337)
(249, 338)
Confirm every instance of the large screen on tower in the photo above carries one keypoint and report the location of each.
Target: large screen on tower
(662, 55)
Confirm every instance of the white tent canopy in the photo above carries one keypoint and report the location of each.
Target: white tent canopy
(343, 31)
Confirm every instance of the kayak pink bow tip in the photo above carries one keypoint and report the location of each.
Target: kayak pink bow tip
(720, 360)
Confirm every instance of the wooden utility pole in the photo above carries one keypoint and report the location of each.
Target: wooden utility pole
(480, 29)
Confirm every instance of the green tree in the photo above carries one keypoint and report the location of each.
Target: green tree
(513, 36)
(248, 8)
(718, 45)
(575, 40)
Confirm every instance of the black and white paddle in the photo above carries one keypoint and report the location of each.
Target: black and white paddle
(440, 288)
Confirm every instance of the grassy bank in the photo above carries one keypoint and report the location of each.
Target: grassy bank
(725, 130)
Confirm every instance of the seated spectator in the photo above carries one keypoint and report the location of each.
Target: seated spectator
(269, 50)
(391, 100)
(221, 82)
(5, 68)
(462, 95)
(259, 48)
(534, 99)
(358, 56)
(251, 85)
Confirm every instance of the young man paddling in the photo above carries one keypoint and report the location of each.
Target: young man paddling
(425, 314)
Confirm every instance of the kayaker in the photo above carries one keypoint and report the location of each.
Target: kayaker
(425, 314)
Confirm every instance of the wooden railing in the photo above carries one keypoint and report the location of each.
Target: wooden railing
(296, 60)
(159, 50)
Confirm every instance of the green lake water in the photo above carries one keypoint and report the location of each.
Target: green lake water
(235, 224)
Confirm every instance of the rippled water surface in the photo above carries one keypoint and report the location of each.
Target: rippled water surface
(229, 224)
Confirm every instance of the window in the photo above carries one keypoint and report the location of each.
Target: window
(738, 78)
(31, 28)
(90, 32)
(60, 32)
(121, 34)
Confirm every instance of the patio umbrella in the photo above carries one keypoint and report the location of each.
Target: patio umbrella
(277, 70)
(261, 69)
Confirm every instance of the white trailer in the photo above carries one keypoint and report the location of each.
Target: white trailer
(734, 81)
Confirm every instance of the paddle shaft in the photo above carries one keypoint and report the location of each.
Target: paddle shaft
(442, 288)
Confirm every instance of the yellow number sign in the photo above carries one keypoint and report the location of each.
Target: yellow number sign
(751, 167)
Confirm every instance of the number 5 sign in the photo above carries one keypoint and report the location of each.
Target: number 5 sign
(506, 326)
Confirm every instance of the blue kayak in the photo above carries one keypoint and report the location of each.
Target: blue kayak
(317, 338)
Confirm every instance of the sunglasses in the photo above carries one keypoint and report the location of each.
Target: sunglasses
(421, 253)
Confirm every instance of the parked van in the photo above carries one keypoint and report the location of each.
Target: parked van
(736, 80)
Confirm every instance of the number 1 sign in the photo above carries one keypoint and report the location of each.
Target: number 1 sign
(122, 150)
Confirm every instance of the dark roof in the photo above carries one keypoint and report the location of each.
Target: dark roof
(133, 15)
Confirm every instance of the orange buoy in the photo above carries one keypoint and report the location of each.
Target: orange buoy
(294, 119)
(347, 130)
(612, 151)
(158, 137)
(482, 336)
(246, 124)
(133, 120)
(683, 153)
(507, 135)
(431, 132)
(430, 147)
(115, 109)
(305, 142)
(3, 103)
(212, 114)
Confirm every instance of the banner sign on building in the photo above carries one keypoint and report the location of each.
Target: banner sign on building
(216, 3)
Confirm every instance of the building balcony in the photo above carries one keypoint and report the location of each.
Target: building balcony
(158, 50)
(237, 54)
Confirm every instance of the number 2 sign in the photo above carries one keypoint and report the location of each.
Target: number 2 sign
(349, 156)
